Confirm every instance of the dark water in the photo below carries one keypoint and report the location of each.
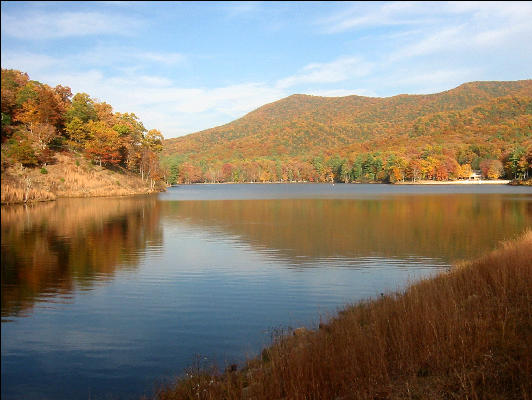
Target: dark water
(108, 298)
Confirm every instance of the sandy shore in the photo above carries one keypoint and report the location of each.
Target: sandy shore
(461, 182)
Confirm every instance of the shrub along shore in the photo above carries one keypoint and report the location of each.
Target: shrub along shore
(464, 334)
(71, 176)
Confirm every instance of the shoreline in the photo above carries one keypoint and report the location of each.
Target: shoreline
(53, 197)
(70, 176)
(37, 195)
(459, 182)
(464, 333)
(420, 182)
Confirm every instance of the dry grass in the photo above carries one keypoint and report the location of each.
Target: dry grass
(466, 334)
(69, 177)
(13, 194)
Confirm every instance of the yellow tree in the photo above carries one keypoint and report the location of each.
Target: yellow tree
(465, 171)
(131, 132)
(154, 140)
(103, 147)
(78, 134)
(152, 145)
(41, 113)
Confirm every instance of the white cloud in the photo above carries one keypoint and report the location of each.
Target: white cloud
(427, 82)
(433, 14)
(242, 8)
(52, 25)
(368, 15)
(439, 28)
(126, 56)
(503, 35)
(506, 9)
(341, 92)
(20, 59)
(338, 70)
(139, 80)
(163, 58)
(446, 39)
(123, 60)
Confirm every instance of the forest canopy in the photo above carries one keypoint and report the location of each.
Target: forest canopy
(38, 121)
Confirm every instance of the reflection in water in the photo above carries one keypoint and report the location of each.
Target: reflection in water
(47, 249)
(226, 272)
(447, 227)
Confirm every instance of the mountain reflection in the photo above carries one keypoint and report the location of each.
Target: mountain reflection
(51, 248)
(445, 227)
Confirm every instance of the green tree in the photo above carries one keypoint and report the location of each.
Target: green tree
(514, 169)
(82, 107)
(346, 172)
(20, 150)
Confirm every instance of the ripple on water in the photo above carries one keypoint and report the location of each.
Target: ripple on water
(146, 285)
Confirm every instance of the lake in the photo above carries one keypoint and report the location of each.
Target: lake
(108, 298)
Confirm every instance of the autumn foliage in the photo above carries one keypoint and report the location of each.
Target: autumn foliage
(478, 126)
(39, 121)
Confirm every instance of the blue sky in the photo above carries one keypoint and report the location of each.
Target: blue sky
(186, 66)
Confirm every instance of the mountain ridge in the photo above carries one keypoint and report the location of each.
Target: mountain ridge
(302, 127)
(402, 95)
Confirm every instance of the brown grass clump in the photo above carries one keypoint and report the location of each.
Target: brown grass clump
(466, 334)
(70, 176)
(13, 194)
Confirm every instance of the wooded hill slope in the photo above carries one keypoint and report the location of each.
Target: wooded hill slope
(53, 141)
(478, 125)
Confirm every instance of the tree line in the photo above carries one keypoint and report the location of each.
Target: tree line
(38, 120)
(385, 167)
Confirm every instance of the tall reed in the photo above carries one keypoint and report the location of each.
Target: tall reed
(69, 178)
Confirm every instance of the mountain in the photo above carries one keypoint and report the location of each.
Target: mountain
(474, 123)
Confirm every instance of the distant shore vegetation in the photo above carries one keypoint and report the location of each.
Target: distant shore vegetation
(40, 122)
(379, 167)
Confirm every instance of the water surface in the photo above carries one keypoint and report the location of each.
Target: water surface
(106, 298)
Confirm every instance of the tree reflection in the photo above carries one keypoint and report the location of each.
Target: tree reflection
(49, 249)
(446, 227)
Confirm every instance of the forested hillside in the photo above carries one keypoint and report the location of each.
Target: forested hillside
(483, 126)
(44, 126)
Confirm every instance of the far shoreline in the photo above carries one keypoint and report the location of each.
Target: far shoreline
(459, 182)
(419, 182)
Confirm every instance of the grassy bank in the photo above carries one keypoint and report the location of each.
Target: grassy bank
(466, 334)
(69, 176)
